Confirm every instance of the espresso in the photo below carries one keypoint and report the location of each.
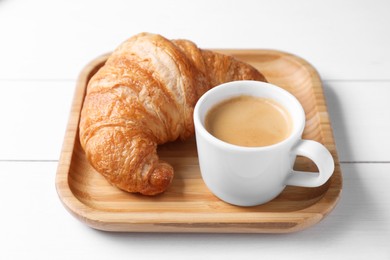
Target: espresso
(249, 121)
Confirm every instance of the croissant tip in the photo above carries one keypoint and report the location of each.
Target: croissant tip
(159, 180)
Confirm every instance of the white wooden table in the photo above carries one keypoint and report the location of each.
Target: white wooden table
(44, 45)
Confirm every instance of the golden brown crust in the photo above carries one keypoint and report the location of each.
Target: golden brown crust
(144, 96)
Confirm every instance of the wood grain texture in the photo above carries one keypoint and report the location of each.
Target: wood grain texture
(188, 206)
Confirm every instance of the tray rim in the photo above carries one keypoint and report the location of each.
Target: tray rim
(194, 222)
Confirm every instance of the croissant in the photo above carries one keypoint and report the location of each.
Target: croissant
(144, 96)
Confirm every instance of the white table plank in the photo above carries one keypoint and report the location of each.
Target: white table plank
(342, 39)
(34, 115)
(360, 115)
(35, 128)
(36, 225)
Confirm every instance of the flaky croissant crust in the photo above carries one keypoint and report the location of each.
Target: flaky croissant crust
(144, 96)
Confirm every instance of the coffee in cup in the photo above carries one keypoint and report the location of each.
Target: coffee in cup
(252, 173)
(249, 121)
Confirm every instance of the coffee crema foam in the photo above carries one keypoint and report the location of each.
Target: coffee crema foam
(249, 121)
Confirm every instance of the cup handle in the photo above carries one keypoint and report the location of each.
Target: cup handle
(320, 156)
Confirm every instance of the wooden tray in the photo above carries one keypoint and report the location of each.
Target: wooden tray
(188, 206)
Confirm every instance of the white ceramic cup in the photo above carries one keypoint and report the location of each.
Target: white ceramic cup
(249, 176)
